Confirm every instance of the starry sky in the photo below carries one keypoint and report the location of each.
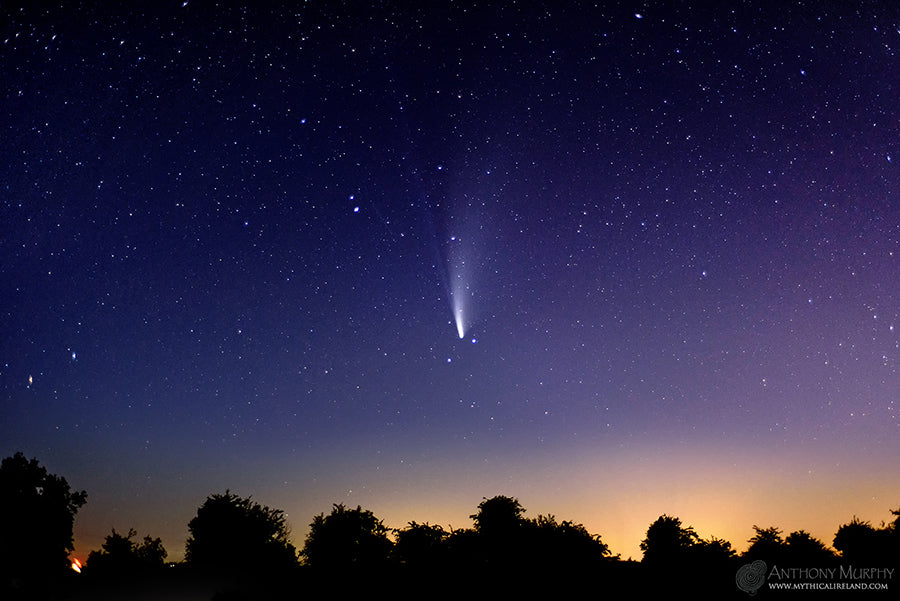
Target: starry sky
(615, 261)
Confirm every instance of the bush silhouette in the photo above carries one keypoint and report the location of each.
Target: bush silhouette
(498, 516)
(767, 545)
(861, 543)
(122, 557)
(805, 550)
(421, 546)
(672, 551)
(347, 539)
(667, 541)
(563, 544)
(509, 555)
(37, 516)
(234, 535)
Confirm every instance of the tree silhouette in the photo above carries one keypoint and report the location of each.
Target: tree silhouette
(233, 534)
(860, 542)
(422, 556)
(37, 516)
(421, 546)
(122, 557)
(767, 545)
(805, 550)
(558, 544)
(505, 545)
(667, 541)
(499, 542)
(347, 539)
(151, 552)
(672, 550)
(892, 536)
(466, 549)
(498, 516)
(510, 555)
(713, 550)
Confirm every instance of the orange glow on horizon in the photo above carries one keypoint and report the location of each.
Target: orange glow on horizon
(719, 490)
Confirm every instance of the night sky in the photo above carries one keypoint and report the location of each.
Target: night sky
(613, 261)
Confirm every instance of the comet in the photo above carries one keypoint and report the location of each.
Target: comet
(458, 317)
(461, 250)
(459, 295)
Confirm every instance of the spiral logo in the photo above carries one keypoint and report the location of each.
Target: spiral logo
(751, 576)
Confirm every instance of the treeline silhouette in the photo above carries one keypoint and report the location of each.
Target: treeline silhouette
(239, 549)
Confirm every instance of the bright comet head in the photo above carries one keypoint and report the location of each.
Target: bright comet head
(457, 298)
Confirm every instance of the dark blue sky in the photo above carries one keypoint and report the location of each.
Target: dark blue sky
(232, 238)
